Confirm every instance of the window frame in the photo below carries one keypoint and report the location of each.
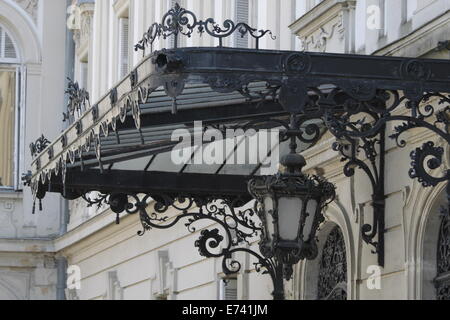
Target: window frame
(19, 117)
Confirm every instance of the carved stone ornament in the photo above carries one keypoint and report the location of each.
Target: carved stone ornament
(30, 6)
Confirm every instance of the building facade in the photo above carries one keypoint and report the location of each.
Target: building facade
(93, 43)
(32, 64)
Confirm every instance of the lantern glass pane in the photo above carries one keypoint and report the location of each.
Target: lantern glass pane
(268, 209)
(289, 211)
(311, 209)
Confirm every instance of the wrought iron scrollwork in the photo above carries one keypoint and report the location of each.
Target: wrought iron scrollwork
(179, 21)
(39, 145)
(237, 225)
(78, 101)
(357, 114)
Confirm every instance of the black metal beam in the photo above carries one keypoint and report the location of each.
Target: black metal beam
(150, 182)
(395, 73)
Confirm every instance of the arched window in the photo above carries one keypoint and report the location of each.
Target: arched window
(9, 112)
(442, 280)
(332, 284)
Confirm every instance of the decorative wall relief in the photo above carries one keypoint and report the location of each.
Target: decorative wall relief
(30, 6)
(82, 34)
(320, 39)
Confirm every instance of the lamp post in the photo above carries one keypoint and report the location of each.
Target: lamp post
(290, 206)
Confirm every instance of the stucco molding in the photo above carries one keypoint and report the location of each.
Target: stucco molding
(324, 22)
(23, 30)
(82, 36)
(30, 7)
(14, 285)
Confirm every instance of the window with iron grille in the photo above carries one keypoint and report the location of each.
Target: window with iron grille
(332, 284)
(442, 280)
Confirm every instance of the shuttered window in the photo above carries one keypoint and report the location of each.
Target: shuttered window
(123, 47)
(228, 289)
(8, 51)
(84, 75)
(241, 15)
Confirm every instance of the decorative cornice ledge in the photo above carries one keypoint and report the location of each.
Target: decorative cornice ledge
(413, 44)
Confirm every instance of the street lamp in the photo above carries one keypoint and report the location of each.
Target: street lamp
(290, 206)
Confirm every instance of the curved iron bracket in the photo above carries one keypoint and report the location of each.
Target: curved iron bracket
(237, 226)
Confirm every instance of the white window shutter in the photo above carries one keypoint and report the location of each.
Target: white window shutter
(228, 289)
(10, 51)
(84, 75)
(123, 47)
(241, 15)
(7, 46)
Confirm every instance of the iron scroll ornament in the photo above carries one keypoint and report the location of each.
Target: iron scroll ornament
(357, 114)
(179, 21)
(39, 145)
(78, 101)
(236, 227)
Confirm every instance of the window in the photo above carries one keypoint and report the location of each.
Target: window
(9, 79)
(241, 15)
(332, 284)
(7, 126)
(442, 280)
(123, 47)
(228, 289)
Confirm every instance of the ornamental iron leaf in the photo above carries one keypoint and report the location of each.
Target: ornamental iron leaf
(39, 145)
(78, 101)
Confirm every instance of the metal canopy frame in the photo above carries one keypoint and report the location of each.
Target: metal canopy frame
(353, 96)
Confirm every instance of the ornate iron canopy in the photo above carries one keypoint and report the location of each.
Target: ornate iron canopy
(353, 96)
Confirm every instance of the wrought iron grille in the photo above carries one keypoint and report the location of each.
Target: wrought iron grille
(333, 268)
(443, 259)
(179, 21)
